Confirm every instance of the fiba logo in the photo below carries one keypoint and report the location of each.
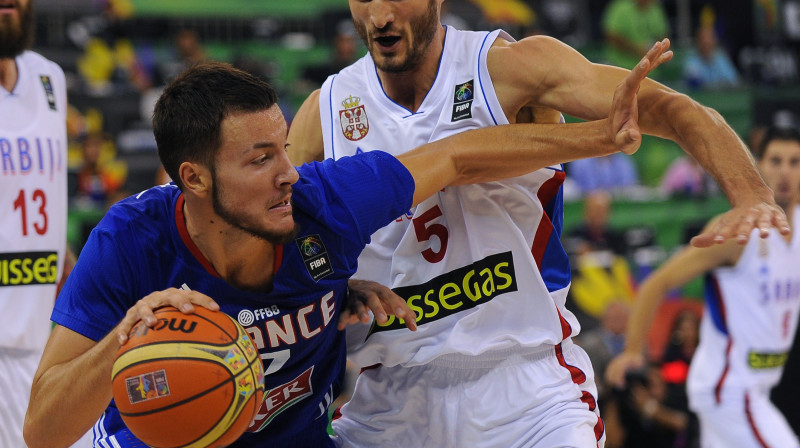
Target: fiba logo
(462, 101)
(310, 246)
(245, 317)
(464, 92)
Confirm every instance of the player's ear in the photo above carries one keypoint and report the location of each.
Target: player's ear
(195, 177)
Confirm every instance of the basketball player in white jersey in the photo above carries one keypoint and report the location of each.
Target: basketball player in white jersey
(752, 306)
(33, 208)
(492, 362)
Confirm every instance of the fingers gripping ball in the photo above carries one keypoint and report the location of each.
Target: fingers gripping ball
(192, 380)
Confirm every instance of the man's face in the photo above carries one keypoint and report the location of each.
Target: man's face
(396, 33)
(780, 166)
(252, 176)
(16, 27)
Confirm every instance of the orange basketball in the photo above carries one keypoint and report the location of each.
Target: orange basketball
(192, 380)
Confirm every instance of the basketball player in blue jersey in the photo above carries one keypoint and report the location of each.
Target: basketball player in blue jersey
(241, 230)
(753, 303)
(493, 363)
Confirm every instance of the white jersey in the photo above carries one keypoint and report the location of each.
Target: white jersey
(481, 265)
(33, 200)
(750, 322)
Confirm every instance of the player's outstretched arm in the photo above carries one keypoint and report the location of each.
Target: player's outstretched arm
(500, 152)
(688, 263)
(72, 385)
(575, 86)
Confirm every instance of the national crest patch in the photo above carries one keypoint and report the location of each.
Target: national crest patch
(353, 119)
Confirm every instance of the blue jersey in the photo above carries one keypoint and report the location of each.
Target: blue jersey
(141, 246)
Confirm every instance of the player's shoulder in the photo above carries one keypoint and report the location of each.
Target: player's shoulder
(145, 208)
(538, 44)
(39, 62)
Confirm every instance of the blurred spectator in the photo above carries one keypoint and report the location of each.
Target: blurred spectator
(630, 27)
(686, 178)
(593, 233)
(187, 51)
(109, 63)
(646, 417)
(708, 66)
(684, 338)
(606, 341)
(602, 344)
(100, 177)
(601, 274)
(345, 52)
(614, 173)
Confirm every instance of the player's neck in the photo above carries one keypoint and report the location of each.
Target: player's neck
(8, 74)
(410, 88)
(240, 258)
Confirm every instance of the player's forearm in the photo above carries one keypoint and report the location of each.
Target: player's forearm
(69, 398)
(648, 297)
(508, 151)
(501, 152)
(703, 133)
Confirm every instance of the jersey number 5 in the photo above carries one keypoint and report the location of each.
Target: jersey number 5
(38, 201)
(425, 230)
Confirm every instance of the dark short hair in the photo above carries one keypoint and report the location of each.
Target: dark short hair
(776, 133)
(188, 116)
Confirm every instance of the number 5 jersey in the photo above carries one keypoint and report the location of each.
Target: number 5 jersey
(482, 265)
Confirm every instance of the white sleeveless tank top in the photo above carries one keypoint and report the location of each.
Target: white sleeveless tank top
(33, 203)
(482, 265)
(750, 320)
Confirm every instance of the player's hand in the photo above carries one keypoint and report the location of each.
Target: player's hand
(182, 299)
(740, 221)
(620, 365)
(624, 117)
(382, 301)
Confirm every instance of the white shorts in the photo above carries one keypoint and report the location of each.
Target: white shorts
(16, 375)
(17, 368)
(543, 397)
(749, 420)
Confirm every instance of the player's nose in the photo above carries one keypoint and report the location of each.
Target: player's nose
(381, 13)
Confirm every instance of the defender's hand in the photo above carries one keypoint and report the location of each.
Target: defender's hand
(740, 221)
(381, 300)
(624, 117)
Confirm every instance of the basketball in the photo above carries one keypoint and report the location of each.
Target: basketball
(192, 380)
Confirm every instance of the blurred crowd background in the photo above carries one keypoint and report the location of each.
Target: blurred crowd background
(623, 215)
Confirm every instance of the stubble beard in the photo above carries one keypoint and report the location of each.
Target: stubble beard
(234, 220)
(422, 32)
(16, 36)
